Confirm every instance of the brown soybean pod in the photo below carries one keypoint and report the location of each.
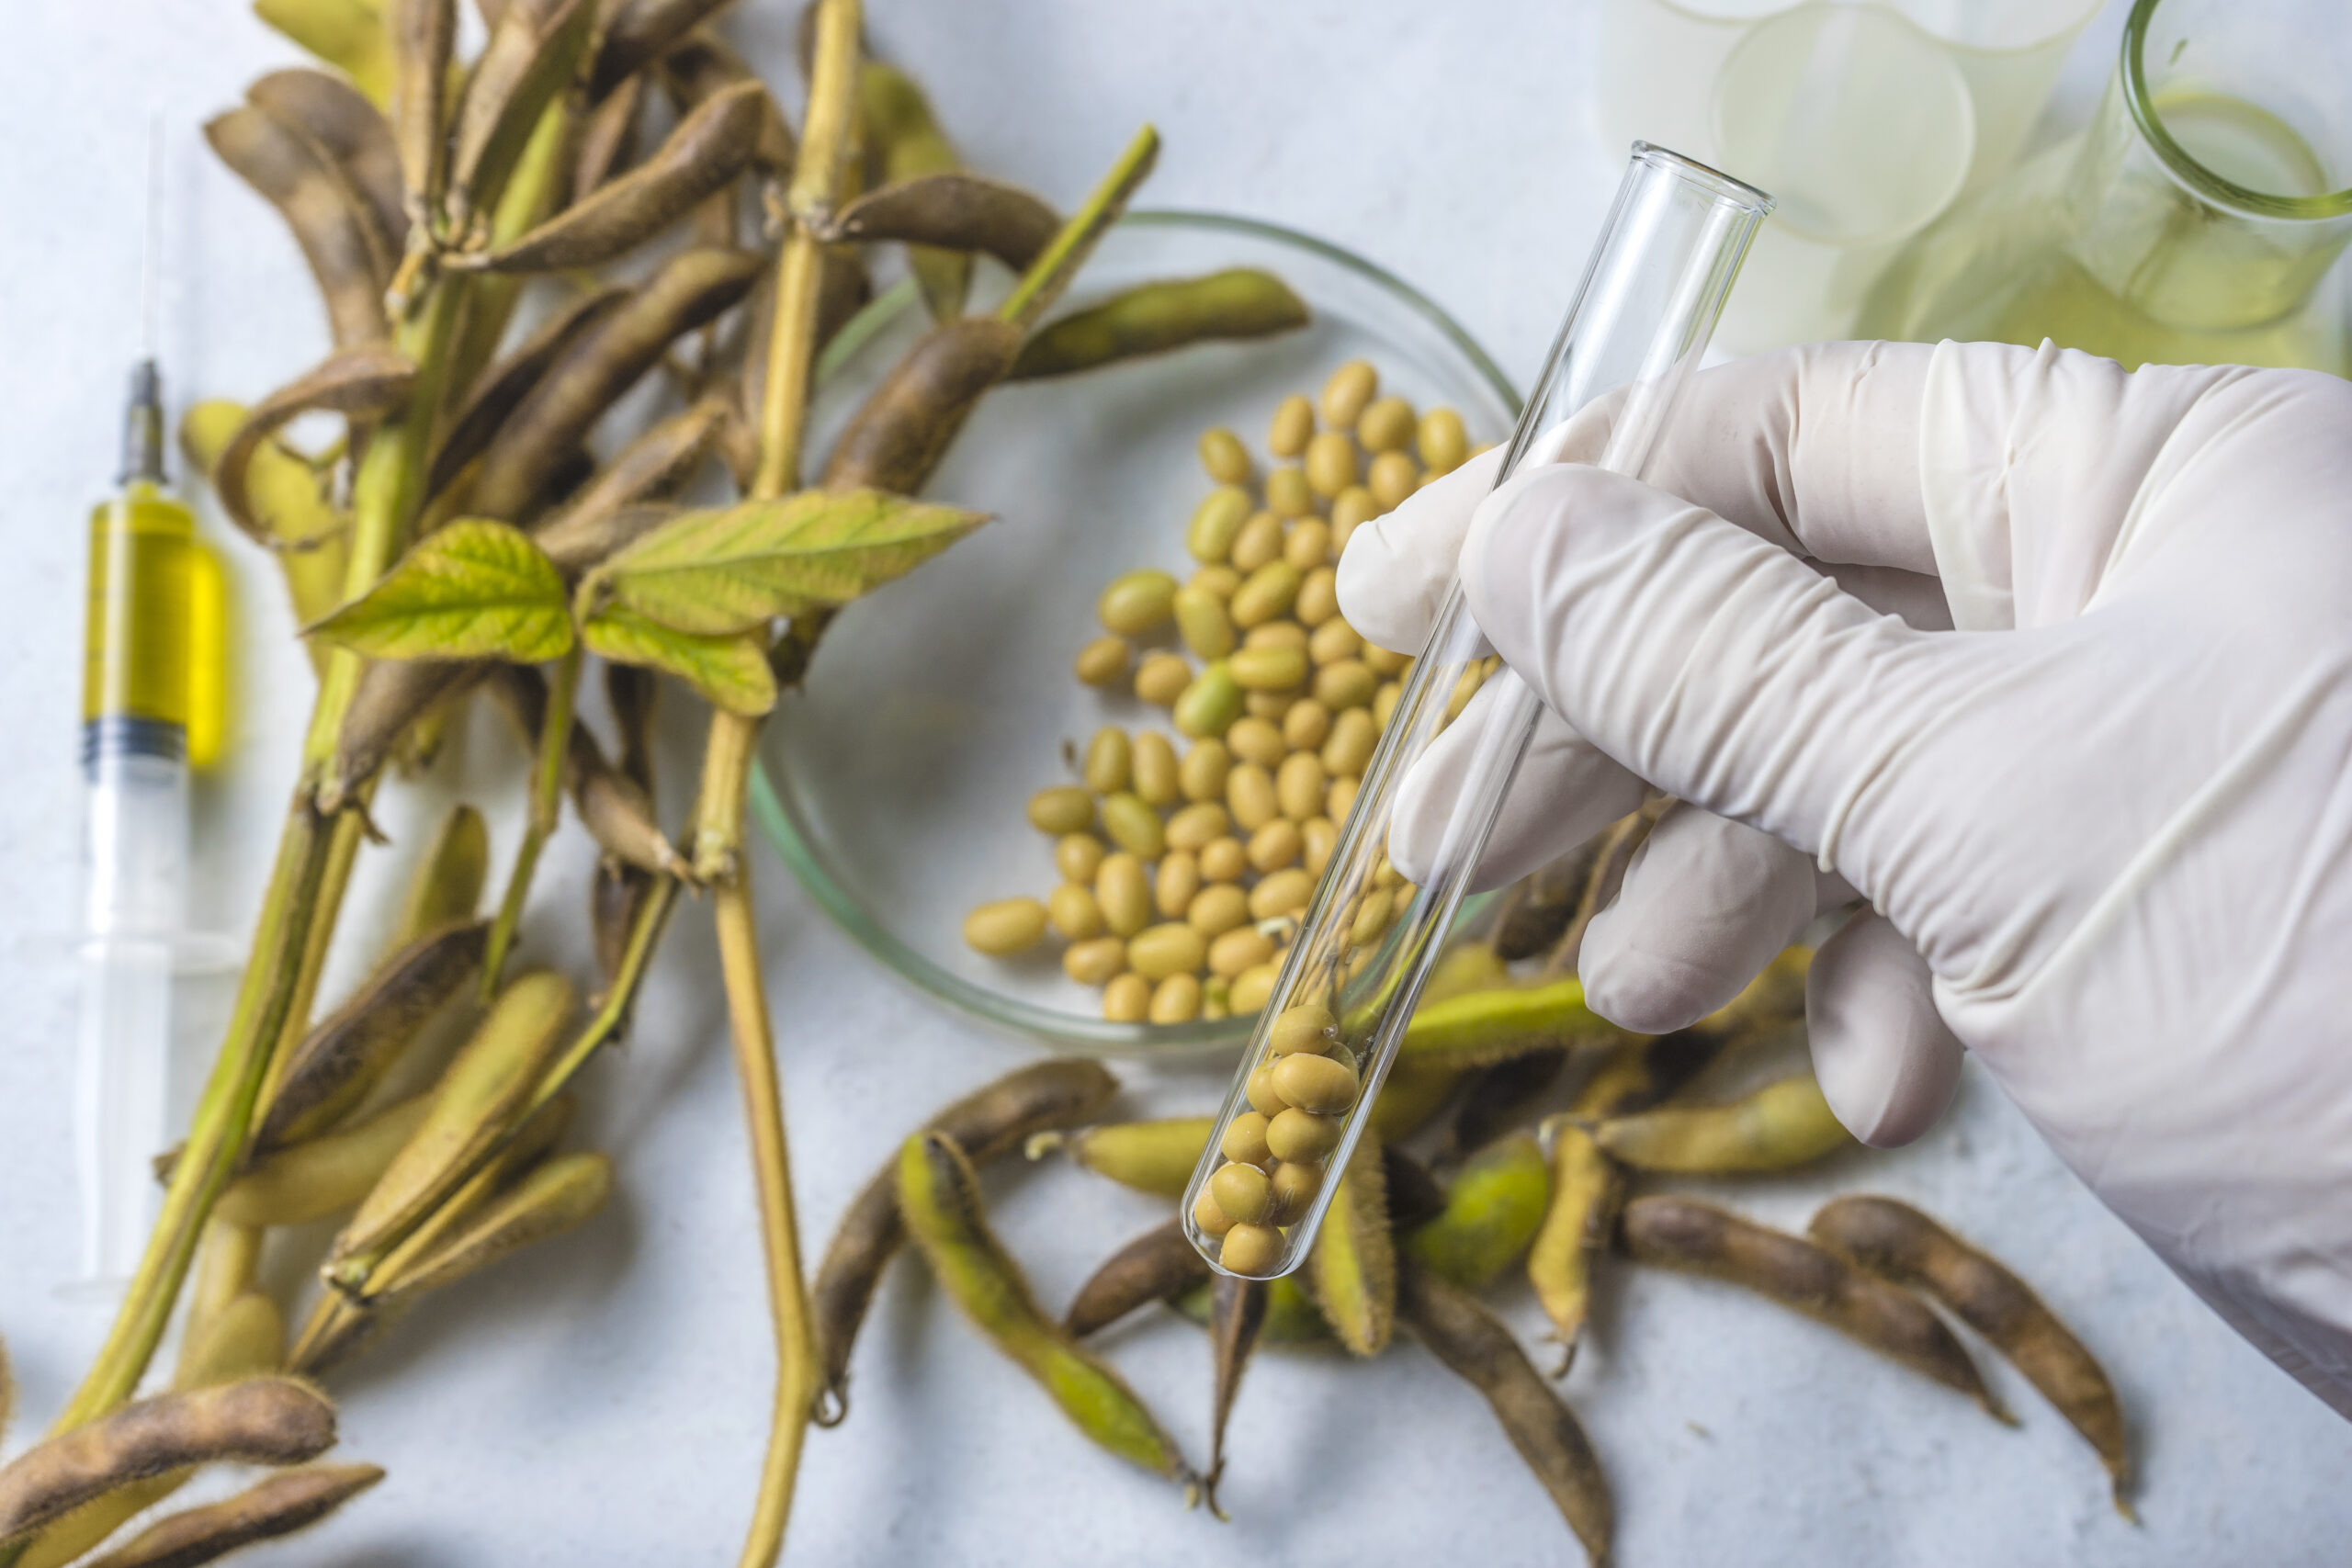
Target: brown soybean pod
(1236, 1318)
(954, 210)
(498, 390)
(608, 138)
(1778, 1127)
(1352, 1265)
(338, 117)
(703, 156)
(939, 1194)
(348, 1052)
(422, 33)
(1682, 1233)
(322, 1175)
(701, 65)
(258, 1421)
(619, 890)
(561, 1193)
(902, 430)
(447, 881)
(1153, 318)
(362, 382)
(1473, 1345)
(616, 812)
(597, 366)
(658, 463)
(394, 693)
(903, 140)
(984, 1124)
(1897, 1241)
(275, 1507)
(330, 219)
(531, 55)
(1493, 1099)
(1160, 1263)
(639, 32)
(1155, 1157)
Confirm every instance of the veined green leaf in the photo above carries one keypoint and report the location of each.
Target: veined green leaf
(474, 589)
(732, 672)
(727, 570)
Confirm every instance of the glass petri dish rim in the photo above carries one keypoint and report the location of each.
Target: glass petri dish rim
(1071, 1033)
(2201, 181)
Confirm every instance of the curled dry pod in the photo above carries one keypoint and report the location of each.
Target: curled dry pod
(481, 1094)
(939, 1194)
(422, 33)
(1351, 1267)
(277, 1506)
(394, 693)
(903, 140)
(1493, 1206)
(616, 812)
(703, 64)
(1155, 1157)
(349, 1051)
(289, 503)
(257, 1421)
(1157, 1265)
(447, 881)
(531, 56)
(1474, 1346)
(954, 210)
(322, 1175)
(564, 1192)
(703, 154)
(600, 364)
(1487, 1026)
(639, 32)
(658, 463)
(350, 130)
(1897, 1241)
(1682, 1233)
(1237, 1317)
(608, 139)
(1778, 1127)
(331, 221)
(362, 383)
(985, 1123)
(1152, 317)
(903, 428)
(499, 389)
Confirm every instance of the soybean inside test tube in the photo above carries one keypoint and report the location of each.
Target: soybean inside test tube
(1637, 326)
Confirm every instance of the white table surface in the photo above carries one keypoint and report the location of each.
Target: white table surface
(607, 1401)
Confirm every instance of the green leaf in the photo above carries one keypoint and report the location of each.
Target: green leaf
(732, 672)
(474, 589)
(715, 571)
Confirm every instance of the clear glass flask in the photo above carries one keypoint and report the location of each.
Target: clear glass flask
(1636, 327)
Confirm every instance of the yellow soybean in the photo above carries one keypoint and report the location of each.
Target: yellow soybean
(1334, 639)
(1386, 425)
(1245, 1139)
(1252, 987)
(1317, 604)
(1322, 1085)
(1005, 926)
(1275, 845)
(1331, 463)
(1103, 662)
(1250, 796)
(1061, 809)
(1168, 949)
(1308, 1027)
(1306, 724)
(1176, 999)
(1094, 963)
(1283, 892)
(1162, 678)
(1208, 704)
(1391, 479)
(1225, 458)
(1242, 1192)
(1137, 601)
(1350, 509)
(1240, 949)
(1123, 893)
(1259, 541)
(1201, 775)
(1178, 879)
(1215, 523)
(1126, 1000)
(1256, 740)
(1268, 669)
(1223, 860)
(1197, 826)
(1317, 839)
(1133, 825)
(1293, 425)
(1074, 912)
(1108, 758)
(1288, 494)
(1153, 770)
(1078, 856)
(1202, 622)
(1347, 749)
(1347, 393)
(1265, 593)
(1345, 683)
(1299, 785)
(1443, 442)
(1299, 1135)
(1307, 546)
(1215, 910)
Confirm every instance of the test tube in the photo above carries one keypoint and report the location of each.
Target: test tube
(1637, 325)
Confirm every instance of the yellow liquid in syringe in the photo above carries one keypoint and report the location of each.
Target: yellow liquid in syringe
(154, 646)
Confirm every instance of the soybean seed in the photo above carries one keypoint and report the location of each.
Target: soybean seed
(1202, 622)
(1103, 662)
(1217, 998)
(1371, 917)
(1308, 544)
(1288, 494)
(1385, 426)
(1317, 838)
(1061, 809)
(1308, 1027)
(1292, 424)
(1137, 601)
(1245, 1139)
(1298, 786)
(1345, 395)
(1347, 749)
(1176, 999)
(1208, 1217)
(1123, 893)
(1383, 663)
(1154, 770)
(1078, 856)
(1224, 457)
(1074, 912)
(1177, 881)
(1223, 860)
(1250, 796)
(1208, 704)
(1265, 593)
(1108, 756)
(1443, 442)
(1220, 580)
(1269, 706)
(1252, 987)
(1133, 825)
(1126, 1000)
(1095, 961)
(1242, 1192)
(1239, 951)
(1268, 669)
(1215, 523)
(1306, 724)
(1276, 633)
(1259, 541)
(1331, 463)
(1261, 1090)
(1297, 1137)
(1350, 509)
(1168, 949)
(1334, 639)
(1197, 826)
(1345, 683)
(1383, 702)
(1275, 845)
(1215, 909)
(1162, 678)
(1005, 926)
(1201, 774)
(1283, 892)
(1321, 1084)
(1250, 1249)
(1294, 1186)
(1391, 479)
(1340, 799)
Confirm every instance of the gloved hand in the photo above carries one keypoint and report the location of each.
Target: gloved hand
(2104, 826)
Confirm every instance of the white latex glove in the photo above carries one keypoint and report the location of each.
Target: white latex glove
(2105, 826)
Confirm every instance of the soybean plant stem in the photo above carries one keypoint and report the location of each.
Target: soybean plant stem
(1043, 283)
(546, 809)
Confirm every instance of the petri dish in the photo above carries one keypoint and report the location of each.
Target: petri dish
(893, 784)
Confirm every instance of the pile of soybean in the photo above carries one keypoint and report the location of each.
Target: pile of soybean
(1186, 859)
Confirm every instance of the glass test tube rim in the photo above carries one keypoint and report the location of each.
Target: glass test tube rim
(2200, 182)
(1725, 195)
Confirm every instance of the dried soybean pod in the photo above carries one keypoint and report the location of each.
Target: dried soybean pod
(639, 32)
(1587, 1187)
(702, 64)
(1351, 1267)
(532, 54)
(330, 221)
(348, 1052)
(1490, 1026)
(498, 390)
(1897, 1241)
(290, 505)
(984, 1124)
(1473, 1345)
(1494, 1207)
(954, 210)
(480, 1096)
(1236, 1318)
(658, 463)
(258, 1421)
(1682, 1233)
(277, 1506)
(393, 694)
(1778, 1127)
(447, 885)
(322, 1175)
(339, 118)
(362, 383)
(1155, 1157)
(1160, 1263)
(900, 433)
(940, 1196)
(422, 33)
(1152, 317)
(1494, 1096)
(616, 813)
(704, 154)
(603, 362)
(903, 140)
(1414, 1196)
(608, 138)
(564, 1192)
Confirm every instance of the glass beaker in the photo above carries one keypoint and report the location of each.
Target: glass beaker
(2009, 51)
(2195, 221)
(1637, 326)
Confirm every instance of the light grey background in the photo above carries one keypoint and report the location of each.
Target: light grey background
(606, 1402)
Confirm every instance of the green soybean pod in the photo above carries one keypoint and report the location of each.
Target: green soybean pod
(1494, 1207)
(1152, 317)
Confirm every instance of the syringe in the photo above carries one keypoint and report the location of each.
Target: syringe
(151, 708)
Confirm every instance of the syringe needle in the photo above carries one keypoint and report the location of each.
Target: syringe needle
(151, 244)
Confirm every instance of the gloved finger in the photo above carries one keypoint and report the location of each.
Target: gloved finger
(1886, 1060)
(1394, 575)
(1706, 904)
(1564, 792)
